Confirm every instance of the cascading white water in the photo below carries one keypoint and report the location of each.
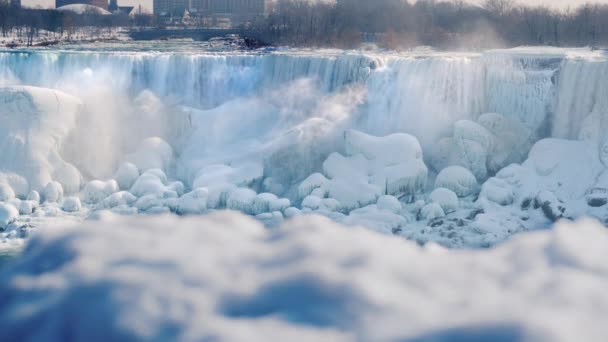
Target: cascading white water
(254, 102)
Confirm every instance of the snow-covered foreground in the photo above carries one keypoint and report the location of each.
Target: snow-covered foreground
(225, 277)
(461, 149)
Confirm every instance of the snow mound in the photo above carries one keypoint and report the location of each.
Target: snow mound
(446, 198)
(484, 146)
(8, 215)
(309, 280)
(457, 179)
(126, 175)
(34, 125)
(71, 204)
(96, 191)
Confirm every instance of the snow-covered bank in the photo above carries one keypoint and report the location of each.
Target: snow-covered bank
(464, 149)
(225, 277)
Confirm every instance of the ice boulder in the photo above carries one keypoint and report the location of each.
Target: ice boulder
(8, 215)
(33, 196)
(152, 153)
(389, 203)
(314, 181)
(431, 211)
(353, 194)
(17, 183)
(337, 166)
(6, 193)
(458, 179)
(498, 191)
(96, 191)
(121, 198)
(71, 204)
(447, 199)
(151, 182)
(408, 178)
(34, 125)
(27, 207)
(389, 150)
(374, 218)
(53, 192)
(241, 199)
(262, 203)
(512, 140)
(312, 202)
(193, 203)
(126, 175)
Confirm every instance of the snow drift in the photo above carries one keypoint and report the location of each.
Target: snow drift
(226, 277)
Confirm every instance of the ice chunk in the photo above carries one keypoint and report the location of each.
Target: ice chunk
(6, 193)
(292, 212)
(194, 202)
(312, 202)
(121, 198)
(314, 181)
(432, 211)
(337, 165)
(53, 192)
(498, 191)
(8, 215)
(126, 175)
(27, 207)
(149, 183)
(389, 203)
(34, 196)
(389, 150)
(376, 219)
(458, 179)
(71, 204)
(353, 194)
(262, 203)
(96, 191)
(446, 198)
(34, 125)
(241, 199)
(279, 205)
(148, 202)
(407, 178)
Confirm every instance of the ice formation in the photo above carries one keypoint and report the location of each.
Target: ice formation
(310, 279)
(461, 149)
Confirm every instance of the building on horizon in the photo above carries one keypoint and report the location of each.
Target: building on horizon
(237, 11)
(97, 3)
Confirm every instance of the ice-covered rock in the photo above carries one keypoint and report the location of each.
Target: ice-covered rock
(193, 203)
(71, 204)
(262, 203)
(34, 125)
(148, 202)
(312, 202)
(353, 194)
(431, 211)
(389, 203)
(33, 196)
(6, 193)
(241, 199)
(149, 183)
(8, 215)
(339, 166)
(121, 198)
(27, 207)
(242, 175)
(96, 191)
(446, 198)
(17, 183)
(380, 220)
(407, 178)
(389, 150)
(314, 181)
(292, 212)
(498, 191)
(53, 192)
(279, 205)
(126, 175)
(458, 179)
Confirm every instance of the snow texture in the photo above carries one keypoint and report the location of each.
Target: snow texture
(311, 279)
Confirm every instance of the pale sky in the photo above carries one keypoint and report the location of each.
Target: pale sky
(147, 4)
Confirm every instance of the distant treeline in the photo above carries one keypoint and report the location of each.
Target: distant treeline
(27, 25)
(395, 24)
(448, 24)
